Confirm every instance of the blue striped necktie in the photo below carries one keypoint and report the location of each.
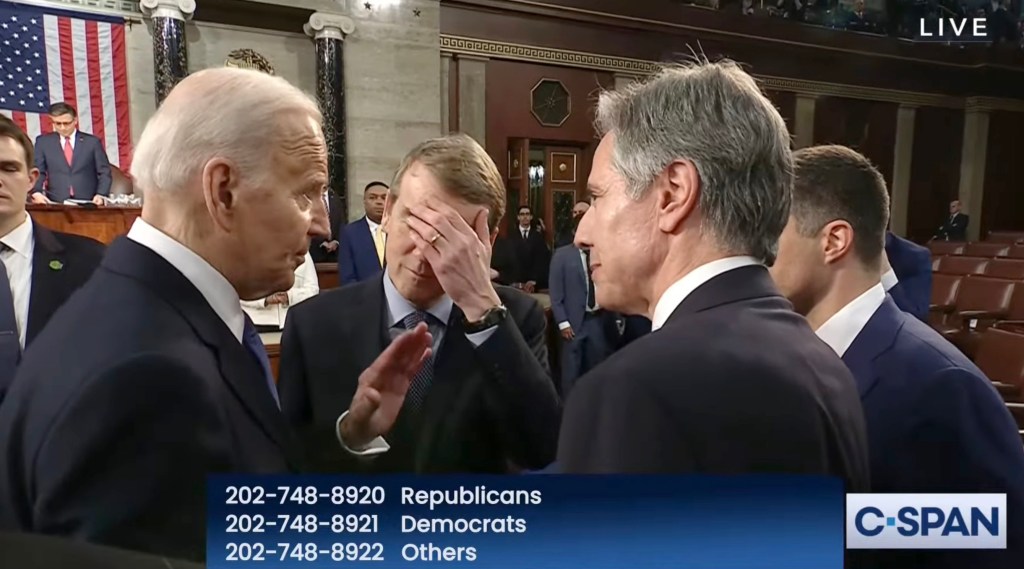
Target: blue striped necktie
(421, 383)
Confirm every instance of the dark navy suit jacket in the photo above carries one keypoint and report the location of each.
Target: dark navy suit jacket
(88, 173)
(108, 436)
(935, 425)
(357, 255)
(913, 266)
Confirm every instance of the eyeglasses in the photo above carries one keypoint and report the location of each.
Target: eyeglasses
(63, 123)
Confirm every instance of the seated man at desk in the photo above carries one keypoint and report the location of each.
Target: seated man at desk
(41, 268)
(268, 314)
(72, 164)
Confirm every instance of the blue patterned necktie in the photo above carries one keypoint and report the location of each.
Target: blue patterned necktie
(421, 383)
(252, 342)
(10, 343)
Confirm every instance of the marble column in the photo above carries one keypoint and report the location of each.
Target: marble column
(803, 121)
(170, 50)
(899, 200)
(973, 157)
(473, 97)
(328, 32)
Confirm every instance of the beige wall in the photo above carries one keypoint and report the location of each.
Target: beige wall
(393, 89)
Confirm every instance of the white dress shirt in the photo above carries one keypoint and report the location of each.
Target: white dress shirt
(216, 289)
(677, 293)
(71, 138)
(20, 244)
(307, 285)
(889, 280)
(842, 329)
(373, 225)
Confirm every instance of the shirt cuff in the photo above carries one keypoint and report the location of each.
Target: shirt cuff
(889, 280)
(564, 325)
(373, 448)
(478, 338)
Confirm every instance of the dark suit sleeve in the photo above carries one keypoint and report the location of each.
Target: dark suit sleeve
(919, 284)
(102, 168)
(522, 393)
(346, 259)
(291, 383)
(964, 440)
(134, 478)
(40, 164)
(615, 426)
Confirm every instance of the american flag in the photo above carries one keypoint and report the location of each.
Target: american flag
(48, 56)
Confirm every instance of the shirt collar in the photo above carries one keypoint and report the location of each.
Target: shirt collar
(399, 307)
(218, 292)
(74, 134)
(889, 280)
(19, 239)
(842, 329)
(677, 293)
(373, 224)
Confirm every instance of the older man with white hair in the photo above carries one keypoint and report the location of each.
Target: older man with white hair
(109, 437)
(691, 187)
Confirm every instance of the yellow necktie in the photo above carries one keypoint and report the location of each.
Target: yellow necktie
(378, 242)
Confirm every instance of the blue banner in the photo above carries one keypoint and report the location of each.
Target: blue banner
(536, 522)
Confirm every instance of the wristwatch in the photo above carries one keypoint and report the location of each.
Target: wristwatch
(491, 318)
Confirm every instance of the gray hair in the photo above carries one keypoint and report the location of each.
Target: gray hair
(715, 116)
(228, 113)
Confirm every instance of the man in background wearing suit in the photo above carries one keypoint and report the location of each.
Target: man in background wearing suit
(160, 379)
(686, 211)
(525, 257)
(955, 226)
(325, 250)
(71, 163)
(935, 423)
(361, 253)
(484, 401)
(588, 333)
(42, 267)
(907, 275)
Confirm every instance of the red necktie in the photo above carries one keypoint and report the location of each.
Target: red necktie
(69, 154)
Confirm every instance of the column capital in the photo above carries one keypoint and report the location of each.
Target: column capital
(176, 9)
(327, 25)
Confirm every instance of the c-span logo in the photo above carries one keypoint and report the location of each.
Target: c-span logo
(926, 521)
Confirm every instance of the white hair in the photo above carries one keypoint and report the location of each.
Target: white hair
(715, 116)
(235, 114)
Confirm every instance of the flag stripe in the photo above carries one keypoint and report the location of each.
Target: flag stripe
(106, 91)
(67, 63)
(82, 87)
(124, 129)
(92, 55)
(67, 57)
(53, 59)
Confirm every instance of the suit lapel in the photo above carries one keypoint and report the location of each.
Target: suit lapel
(49, 280)
(241, 371)
(874, 340)
(77, 150)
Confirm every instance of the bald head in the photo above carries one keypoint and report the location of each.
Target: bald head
(238, 115)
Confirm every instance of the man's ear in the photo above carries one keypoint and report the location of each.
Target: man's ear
(837, 240)
(221, 184)
(678, 191)
(33, 175)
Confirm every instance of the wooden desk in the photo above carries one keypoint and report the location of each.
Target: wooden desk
(102, 224)
(327, 275)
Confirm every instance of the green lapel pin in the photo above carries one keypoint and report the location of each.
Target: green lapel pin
(56, 265)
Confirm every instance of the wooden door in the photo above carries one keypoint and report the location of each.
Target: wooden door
(518, 185)
(565, 183)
